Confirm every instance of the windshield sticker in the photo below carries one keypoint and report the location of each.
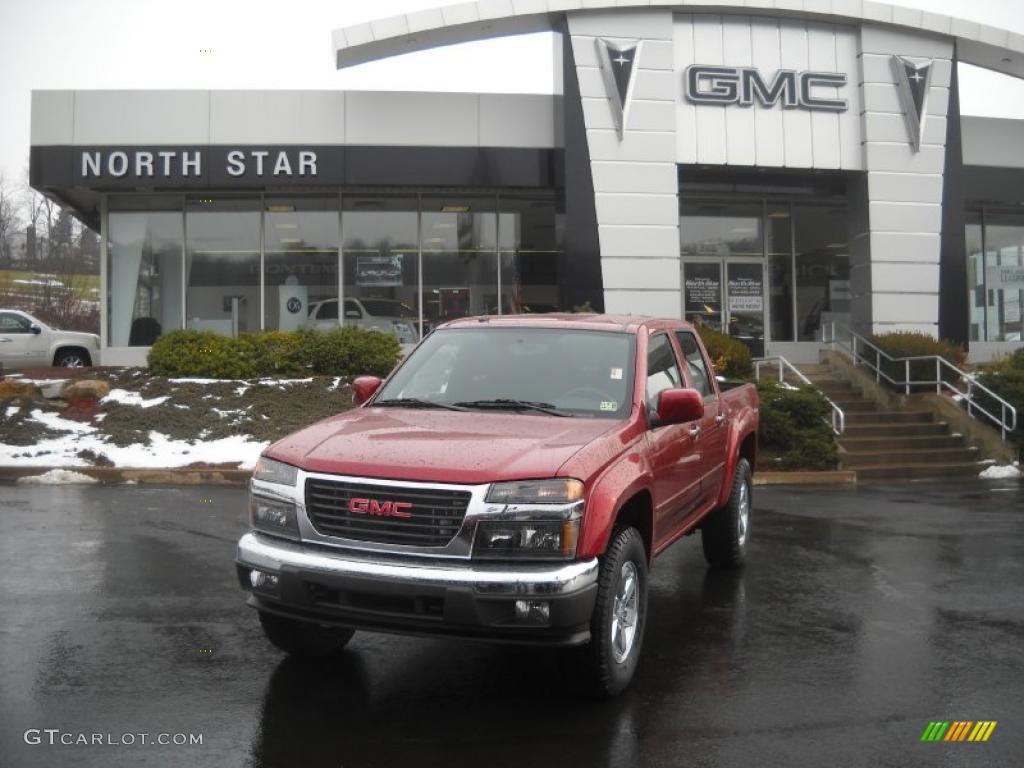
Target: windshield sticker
(616, 373)
(609, 405)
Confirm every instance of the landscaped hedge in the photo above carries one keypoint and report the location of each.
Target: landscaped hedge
(730, 357)
(906, 344)
(342, 352)
(793, 432)
(1006, 378)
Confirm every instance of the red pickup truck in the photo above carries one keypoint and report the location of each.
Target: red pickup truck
(514, 480)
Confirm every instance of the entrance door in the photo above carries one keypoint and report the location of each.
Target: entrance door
(727, 295)
(744, 304)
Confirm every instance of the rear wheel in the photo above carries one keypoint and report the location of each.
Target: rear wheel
(304, 639)
(72, 357)
(726, 531)
(620, 614)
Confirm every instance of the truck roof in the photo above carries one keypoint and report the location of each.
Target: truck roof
(590, 321)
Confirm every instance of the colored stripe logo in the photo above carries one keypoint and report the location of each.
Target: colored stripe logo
(959, 730)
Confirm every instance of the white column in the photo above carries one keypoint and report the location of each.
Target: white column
(635, 179)
(896, 242)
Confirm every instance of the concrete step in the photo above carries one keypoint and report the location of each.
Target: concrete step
(906, 457)
(917, 471)
(895, 429)
(855, 407)
(908, 442)
(819, 369)
(889, 417)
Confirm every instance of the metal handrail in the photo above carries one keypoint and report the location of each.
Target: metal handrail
(859, 348)
(838, 417)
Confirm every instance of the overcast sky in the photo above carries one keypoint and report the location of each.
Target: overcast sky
(79, 44)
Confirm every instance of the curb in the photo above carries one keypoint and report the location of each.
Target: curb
(240, 477)
(833, 477)
(116, 476)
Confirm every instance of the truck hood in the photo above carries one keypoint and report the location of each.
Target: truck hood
(469, 447)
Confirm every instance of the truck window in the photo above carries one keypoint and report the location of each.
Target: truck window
(695, 366)
(662, 368)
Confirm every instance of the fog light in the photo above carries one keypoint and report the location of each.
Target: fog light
(533, 611)
(263, 580)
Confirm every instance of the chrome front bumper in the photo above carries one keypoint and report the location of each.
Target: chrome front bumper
(371, 591)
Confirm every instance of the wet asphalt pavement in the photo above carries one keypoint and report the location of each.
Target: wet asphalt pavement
(861, 616)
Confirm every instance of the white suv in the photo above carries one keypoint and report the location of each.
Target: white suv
(27, 341)
(385, 315)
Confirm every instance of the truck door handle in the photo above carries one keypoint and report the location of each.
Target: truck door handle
(695, 432)
(5, 339)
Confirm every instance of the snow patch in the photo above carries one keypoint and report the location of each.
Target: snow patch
(1006, 472)
(124, 397)
(58, 477)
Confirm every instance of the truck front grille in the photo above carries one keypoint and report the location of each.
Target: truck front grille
(435, 515)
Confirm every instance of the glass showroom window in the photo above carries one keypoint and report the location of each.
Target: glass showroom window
(720, 229)
(223, 264)
(1002, 270)
(460, 257)
(380, 266)
(144, 244)
(300, 263)
(530, 233)
(822, 268)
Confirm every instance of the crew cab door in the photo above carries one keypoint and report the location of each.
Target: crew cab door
(713, 439)
(674, 462)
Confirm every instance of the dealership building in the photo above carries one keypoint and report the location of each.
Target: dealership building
(772, 168)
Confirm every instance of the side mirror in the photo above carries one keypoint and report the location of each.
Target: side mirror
(35, 329)
(678, 406)
(364, 387)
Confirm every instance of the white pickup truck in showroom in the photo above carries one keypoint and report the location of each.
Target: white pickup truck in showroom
(26, 341)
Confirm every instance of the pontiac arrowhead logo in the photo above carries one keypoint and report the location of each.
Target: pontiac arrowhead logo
(618, 63)
(913, 79)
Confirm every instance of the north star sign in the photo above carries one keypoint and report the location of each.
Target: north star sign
(143, 164)
(722, 85)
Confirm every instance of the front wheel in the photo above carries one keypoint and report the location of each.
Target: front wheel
(304, 639)
(726, 531)
(72, 358)
(620, 614)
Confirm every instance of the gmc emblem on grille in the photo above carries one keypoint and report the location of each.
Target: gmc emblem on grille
(379, 508)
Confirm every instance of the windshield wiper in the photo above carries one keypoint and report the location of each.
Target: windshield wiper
(506, 404)
(415, 402)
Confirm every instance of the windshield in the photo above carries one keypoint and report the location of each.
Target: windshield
(387, 308)
(568, 372)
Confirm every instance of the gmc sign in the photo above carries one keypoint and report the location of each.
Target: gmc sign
(715, 84)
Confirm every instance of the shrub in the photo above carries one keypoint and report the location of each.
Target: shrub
(341, 352)
(794, 430)
(730, 357)
(1006, 379)
(907, 344)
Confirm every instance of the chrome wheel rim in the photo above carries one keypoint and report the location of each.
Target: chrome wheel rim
(625, 612)
(72, 361)
(743, 518)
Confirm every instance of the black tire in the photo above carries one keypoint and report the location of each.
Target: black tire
(726, 531)
(304, 639)
(72, 357)
(606, 668)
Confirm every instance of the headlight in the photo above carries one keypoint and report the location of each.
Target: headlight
(271, 471)
(273, 516)
(548, 540)
(555, 491)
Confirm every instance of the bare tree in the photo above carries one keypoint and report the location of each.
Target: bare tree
(9, 219)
